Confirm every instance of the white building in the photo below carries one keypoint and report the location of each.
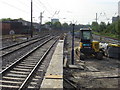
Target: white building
(54, 20)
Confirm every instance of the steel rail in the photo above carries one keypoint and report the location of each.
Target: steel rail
(22, 47)
(70, 83)
(24, 56)
(20, 43)
(27, 80)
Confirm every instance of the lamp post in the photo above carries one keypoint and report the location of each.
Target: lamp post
(72, 57)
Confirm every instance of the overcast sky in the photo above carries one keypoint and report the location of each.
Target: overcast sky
(79, 11)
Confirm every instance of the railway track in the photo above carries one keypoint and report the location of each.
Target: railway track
(18, 43)
(106, 39)
(69, 85)
(10, 49)
(12, 54)
(28, 71)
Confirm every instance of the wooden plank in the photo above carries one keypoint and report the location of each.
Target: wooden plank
(54, 77)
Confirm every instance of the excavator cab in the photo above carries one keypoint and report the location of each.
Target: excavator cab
(88, 47)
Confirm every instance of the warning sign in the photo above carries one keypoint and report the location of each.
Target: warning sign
(12, 32)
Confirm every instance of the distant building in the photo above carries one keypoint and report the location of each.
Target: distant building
(25, 23)
(18, 26)
(36, 26)
(119, 8)
(114, 19)
(54, 20)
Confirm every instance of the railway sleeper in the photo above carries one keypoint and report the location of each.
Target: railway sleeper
(9, 86)
(12, 78)
(17, 75)
(19, 72)
(22, 69)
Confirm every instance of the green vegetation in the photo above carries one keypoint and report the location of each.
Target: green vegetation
(9, 19)
(109, 30)
(57, 25)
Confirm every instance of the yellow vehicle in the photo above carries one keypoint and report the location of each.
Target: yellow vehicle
(88, 47)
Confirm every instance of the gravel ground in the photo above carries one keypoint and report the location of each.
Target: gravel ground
(44, 67)
(95, 73)
(17, 39)
(6, 61)
(31, 59)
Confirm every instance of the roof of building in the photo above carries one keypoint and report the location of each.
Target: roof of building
(85, 29)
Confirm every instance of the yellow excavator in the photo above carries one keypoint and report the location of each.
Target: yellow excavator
(88, 47)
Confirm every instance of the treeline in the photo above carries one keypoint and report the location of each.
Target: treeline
(110, 30)
(9, 19)
(65, 26)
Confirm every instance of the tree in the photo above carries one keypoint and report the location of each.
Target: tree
(57, 25)
(9, 19)
(6, 19)
(95, 26)
(117, 27)
(108, 24)
(20, 18)
(102, 27)
(112, 29)
(65, 26)
(48, 23)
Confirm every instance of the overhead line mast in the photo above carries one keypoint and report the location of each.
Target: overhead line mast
(31, 19)
(96, 18)
(41, 16)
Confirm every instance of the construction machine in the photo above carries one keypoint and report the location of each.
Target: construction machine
(88, 47)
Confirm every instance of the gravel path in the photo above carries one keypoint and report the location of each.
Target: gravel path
(95, 73)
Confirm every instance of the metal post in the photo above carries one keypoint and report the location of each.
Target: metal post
(73, 45)
(31, 20)
(96, 17)
(40, 20)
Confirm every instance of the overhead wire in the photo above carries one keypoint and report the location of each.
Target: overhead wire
(37, 6)
(23, 3)
(44, 7)
(20, 8)
(10, 5)
(36, 9)
(28, 5)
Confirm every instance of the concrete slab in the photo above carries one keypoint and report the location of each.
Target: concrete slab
(97, 75)
(91, 68)
(65, 62)
(76, 67)
(54, 75)
(54, 83)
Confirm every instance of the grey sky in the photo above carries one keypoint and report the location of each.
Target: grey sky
(82, 11)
